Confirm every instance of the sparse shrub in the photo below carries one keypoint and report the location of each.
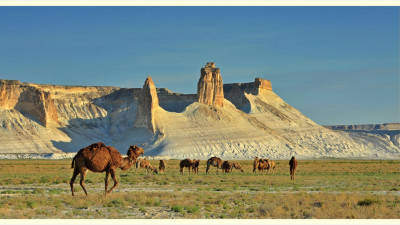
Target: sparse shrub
(116, 203)
(250, 210)
(32, 204)
(317, 204)
(193, 209)
(367, 202)
(142, 209)
(177, 208)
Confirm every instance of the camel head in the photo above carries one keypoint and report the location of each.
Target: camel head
(134, 152)
(237, 166)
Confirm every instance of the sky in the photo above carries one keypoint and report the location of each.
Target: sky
(337, 65)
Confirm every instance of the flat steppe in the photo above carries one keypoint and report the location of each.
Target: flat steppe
(324, 189)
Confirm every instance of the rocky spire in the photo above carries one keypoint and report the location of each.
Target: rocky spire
(210, 87)
(148, 102)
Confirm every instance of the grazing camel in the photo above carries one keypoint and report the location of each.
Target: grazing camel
(185, 163)
(262, 165)
(226, 166)
(162, 166)
(195, 167)
(145, 163)
(213, 161)
(293, 166)
(237, 166)
(100, 158)
(255, 164)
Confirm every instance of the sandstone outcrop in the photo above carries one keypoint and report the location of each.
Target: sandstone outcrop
(28, 100)
(148, 103)
(261, 85)
(210, 87)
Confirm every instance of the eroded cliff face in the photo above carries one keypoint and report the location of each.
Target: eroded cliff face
(210, 87)
(254, 121)
(29, 100)
(148, 103)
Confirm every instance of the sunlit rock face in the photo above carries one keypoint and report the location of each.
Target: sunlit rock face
(147, 104)
(210, 89)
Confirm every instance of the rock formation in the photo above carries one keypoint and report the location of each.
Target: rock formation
(253, 121)
(147, 104)
(261, 85)
(210, 87)
(29, 100)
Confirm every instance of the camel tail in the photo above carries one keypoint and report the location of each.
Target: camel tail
(73, 162)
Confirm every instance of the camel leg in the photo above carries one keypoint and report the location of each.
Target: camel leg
(208, 167)
(82, 181)
(181, 170)
(71, 182)
(106, 181)
(115, 181)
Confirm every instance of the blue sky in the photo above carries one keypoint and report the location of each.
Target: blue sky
(337, 65)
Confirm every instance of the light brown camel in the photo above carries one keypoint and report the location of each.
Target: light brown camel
(271, 166)
(145, 163)
(100, 158)
(162, 166)
(237, 166)
(293, 167)
(255, 164)
(186, 163)
(195, 167)
(213, 161)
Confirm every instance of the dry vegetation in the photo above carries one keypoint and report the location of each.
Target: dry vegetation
(323, 189)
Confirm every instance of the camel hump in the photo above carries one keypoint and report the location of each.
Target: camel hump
(115, 156)
(98, 145)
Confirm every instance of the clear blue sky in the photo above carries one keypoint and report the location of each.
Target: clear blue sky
(337, 65)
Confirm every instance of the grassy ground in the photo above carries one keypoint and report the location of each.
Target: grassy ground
(334, 189)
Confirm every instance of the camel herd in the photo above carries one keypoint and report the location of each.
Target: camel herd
(98, 157)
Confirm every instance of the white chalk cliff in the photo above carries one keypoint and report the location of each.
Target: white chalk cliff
(226, 120)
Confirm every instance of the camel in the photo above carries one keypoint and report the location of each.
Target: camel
(195, 167)
(293, 167)
(162, 166)
(237, 166)
(226, 166)
(262, 165)
(271, 166)
(185, 163)
(213, 161)
(100, 158)
(145, 163)
(255, 164)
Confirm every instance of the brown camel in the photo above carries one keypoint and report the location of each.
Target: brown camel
(213, 161)
(100, 158)
(185, 163)
(145, 163)
(255, 164)
(196, 164)
(226, 166)
(162, 166)
(293, 167)
(262, 165)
